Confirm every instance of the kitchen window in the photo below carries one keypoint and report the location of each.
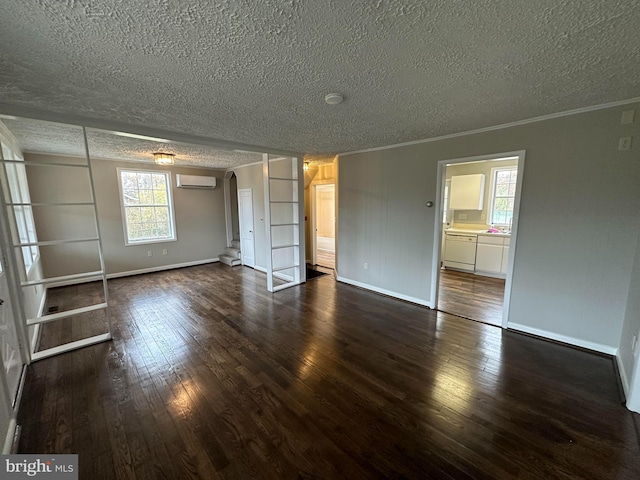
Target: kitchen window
(503, 193)
(147, 207)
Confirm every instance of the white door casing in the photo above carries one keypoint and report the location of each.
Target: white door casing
(9, 346)
(245, 212)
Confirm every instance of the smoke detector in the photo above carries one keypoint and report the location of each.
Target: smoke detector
(333, 98)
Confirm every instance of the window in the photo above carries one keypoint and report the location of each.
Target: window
(19, 194)
(503, 194)
(146, 206)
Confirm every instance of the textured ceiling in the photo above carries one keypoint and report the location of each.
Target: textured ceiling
(46, 137)
(256, 72)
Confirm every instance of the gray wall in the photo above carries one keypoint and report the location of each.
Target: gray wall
(631, 327)
(579, 221)
(199, 214)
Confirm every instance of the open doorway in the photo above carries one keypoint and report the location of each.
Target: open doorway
(477, 230)
(324, 225)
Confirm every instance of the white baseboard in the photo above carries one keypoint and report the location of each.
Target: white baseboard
(383, 291)
(129, 273)
(623, 378)
(260, 269)
(162, 267)
(596, 347)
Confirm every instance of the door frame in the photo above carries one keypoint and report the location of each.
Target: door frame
(242, 257)
(438, 230)
(314, 218)
(11, 400)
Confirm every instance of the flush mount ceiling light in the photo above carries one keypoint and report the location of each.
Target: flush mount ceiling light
(333, 98)
(163, 158)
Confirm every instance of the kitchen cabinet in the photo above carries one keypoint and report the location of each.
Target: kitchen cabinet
(491, 259)
(505, 256)
(467, 192)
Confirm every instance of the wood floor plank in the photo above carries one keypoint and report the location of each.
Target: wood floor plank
(210, 376)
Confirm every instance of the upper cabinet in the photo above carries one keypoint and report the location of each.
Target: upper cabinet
(467, 192)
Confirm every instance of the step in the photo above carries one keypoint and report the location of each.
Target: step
(228, 260)
(232, 252)
(235, 244)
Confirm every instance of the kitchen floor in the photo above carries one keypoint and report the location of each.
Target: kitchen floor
(471, 296)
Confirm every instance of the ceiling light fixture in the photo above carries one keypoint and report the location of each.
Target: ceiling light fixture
(163, 158)
(333, 98)
(305, 166)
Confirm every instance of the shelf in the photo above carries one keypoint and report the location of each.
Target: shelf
(76, 276)
(287, 267)
(85, 342)
(56, 242)
(43, 164)
(69, 313)
(286, 285)
(86, 204)
(279, 247)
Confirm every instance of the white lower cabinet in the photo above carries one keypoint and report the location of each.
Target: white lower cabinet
(505, 256)
(491, 258)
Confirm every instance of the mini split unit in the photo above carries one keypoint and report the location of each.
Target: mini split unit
(195, 181)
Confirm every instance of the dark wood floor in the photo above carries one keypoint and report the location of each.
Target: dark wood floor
(471, 296)
(209, 376)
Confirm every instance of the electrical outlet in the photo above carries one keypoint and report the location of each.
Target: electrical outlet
(149, 253)
(366, 265)
(164, 251)
(624, 143)
(627, 117)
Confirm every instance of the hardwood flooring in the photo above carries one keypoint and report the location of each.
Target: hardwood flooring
(209, 376)
(471, 296)
(326, 258)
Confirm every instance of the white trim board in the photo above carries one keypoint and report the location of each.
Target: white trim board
(136, 272)
(500, 126)
(623, 377)
(383, 291)
(596, 347)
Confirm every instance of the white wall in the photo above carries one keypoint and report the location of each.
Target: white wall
(579, 221)
(199, 214)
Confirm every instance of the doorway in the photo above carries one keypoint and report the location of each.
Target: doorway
(245, 220)
(477, 235)
(324, 225)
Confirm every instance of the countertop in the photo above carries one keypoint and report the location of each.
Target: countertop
(476, 232)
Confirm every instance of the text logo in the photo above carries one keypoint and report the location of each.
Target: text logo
(50, 467)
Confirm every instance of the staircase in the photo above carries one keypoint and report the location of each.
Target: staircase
(231, 255)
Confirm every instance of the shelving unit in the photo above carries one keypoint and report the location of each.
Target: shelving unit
(284, 197)
(100, 274)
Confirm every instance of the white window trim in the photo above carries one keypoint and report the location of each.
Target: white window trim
(170, 202)
(492, 193)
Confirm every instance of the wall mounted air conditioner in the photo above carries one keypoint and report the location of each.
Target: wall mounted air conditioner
(195, 181)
